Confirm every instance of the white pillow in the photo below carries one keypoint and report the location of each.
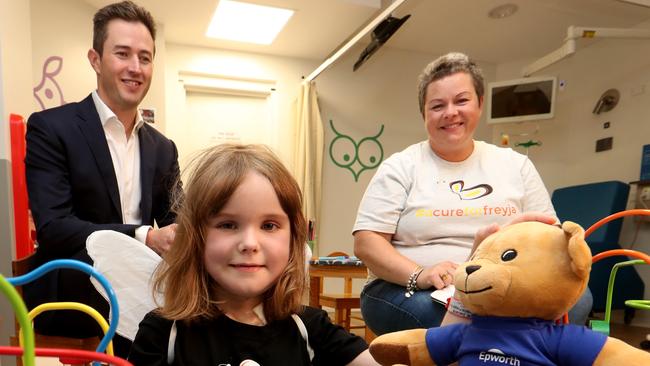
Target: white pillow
(128, 265)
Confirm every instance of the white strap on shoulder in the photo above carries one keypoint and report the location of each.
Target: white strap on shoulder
(170, 345)
(296, 318)
(305, 336)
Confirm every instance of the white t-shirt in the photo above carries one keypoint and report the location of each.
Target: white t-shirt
(434, 207)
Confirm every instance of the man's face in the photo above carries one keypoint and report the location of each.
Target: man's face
(125, 67)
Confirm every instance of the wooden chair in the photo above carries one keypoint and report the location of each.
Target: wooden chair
(20, 267)
(343, 303)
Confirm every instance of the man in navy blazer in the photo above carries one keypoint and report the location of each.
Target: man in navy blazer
(96, 165)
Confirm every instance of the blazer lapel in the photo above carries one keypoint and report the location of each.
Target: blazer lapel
(91, 127)
(147, 169)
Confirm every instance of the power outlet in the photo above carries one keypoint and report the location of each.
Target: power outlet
(645, 194)
(642, 201)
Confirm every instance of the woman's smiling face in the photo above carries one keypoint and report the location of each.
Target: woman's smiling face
(452, 110)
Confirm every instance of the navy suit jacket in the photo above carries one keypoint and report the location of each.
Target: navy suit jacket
(73, 190)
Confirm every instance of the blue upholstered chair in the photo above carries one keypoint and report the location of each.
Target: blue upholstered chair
(585, 204)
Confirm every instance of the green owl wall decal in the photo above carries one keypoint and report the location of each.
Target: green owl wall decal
(356, 157)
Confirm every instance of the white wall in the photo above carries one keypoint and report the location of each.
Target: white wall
(567, 156)
(17, 51)
(285, 72)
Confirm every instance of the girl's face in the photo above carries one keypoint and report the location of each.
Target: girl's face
(247, 243)
(451, 114)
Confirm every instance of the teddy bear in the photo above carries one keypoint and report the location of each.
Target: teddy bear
(516, 284)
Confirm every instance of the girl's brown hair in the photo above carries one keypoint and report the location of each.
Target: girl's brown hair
(216, 173)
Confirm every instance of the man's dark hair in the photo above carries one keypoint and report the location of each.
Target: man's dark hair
(125, 10)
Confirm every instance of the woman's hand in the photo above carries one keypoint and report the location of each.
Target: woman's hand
(439, 276)
(486, 231)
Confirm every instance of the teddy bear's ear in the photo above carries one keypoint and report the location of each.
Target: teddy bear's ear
(578, 249)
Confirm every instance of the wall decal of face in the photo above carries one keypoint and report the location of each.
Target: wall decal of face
(48, 93)
(354, 156)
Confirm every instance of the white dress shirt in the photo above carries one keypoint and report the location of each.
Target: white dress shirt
(125, 154)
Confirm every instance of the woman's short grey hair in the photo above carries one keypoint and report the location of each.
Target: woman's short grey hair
(446, 65)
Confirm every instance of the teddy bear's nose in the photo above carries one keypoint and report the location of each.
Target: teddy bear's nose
(471, 269)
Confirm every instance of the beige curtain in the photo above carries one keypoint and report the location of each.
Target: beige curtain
(308, 157)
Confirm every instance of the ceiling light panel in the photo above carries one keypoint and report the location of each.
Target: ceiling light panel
(246, 22)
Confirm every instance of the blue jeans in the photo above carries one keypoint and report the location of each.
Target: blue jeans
(579, 313)
(385, 309)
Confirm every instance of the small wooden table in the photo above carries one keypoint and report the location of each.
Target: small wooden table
(319, 270)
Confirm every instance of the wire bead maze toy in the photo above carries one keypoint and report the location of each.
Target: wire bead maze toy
(641, 258)
(28, 351)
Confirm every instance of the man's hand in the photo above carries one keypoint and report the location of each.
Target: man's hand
(160, 240)
(486, 231)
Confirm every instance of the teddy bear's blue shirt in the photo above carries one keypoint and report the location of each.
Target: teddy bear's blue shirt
(501, 341)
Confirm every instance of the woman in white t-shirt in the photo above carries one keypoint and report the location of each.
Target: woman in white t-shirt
(421, 211)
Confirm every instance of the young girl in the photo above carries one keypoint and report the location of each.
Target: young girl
(235, 276)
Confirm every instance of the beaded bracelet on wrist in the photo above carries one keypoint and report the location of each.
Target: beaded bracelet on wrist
(411, 284)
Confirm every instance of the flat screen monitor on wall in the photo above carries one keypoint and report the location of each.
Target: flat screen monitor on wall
(520, 100)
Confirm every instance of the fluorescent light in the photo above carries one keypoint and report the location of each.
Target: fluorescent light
(246, 22)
